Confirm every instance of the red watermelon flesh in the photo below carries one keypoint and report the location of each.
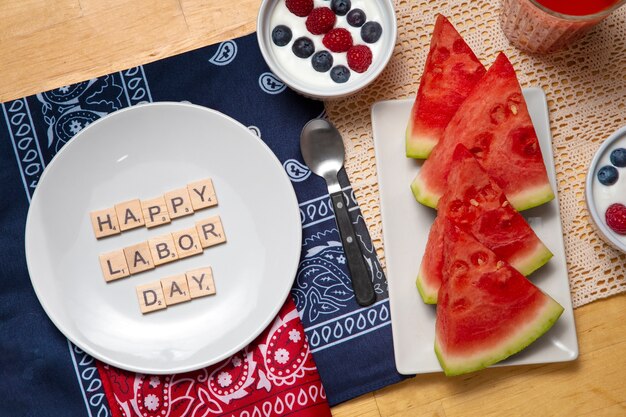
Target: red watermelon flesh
(451, 72)
(494, 124)
(478, 206)
(487, 310)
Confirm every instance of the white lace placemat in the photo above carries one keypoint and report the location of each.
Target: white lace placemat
(586, 89)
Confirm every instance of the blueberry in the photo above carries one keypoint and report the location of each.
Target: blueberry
(281, 35)
(303, 47)
(356, 18)
(607, 175)
(340, 7)
(618, 157)
(322, 61)
(371, 31)
(340, 74)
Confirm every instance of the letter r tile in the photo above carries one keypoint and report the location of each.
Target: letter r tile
(211, 231)
(162, 249)
(150, 297)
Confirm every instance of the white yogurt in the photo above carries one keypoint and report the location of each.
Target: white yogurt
(605, 195)
(301, 68)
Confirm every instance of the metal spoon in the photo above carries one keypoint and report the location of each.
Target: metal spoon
(323, 152)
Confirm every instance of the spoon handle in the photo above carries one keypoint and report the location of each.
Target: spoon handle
(361, 282)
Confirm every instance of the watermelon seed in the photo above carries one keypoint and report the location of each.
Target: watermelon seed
(513, 109)
(499, 264)
(474, 202)
(506, 203)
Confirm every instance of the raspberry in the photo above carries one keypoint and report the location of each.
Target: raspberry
(299, 7)
(320, 21)
(338, 40)
(616, 218)
(359, 58)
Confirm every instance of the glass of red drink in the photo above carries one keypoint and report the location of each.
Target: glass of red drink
(541, 26)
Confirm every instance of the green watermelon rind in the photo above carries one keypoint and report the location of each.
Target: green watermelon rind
(535, 329)
(428, 293)
(524, 200)
(531, 197)
(422, 195)
(418, 146)
(526, 265)
(532, 260)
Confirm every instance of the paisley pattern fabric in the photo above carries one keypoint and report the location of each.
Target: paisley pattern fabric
(230, 77)
(274, 376)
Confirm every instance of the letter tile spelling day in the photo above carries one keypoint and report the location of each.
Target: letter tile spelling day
(175, 289)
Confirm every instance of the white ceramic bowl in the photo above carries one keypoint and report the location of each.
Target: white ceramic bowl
(592, 191)
(299, 82)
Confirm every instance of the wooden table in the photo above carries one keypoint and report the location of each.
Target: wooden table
(45, 44)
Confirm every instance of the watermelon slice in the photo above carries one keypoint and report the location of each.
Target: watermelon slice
(478, 206)
(450, 73)
(487, 310)
(494, 124)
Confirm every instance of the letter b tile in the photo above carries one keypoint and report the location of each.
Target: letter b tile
(162, 249)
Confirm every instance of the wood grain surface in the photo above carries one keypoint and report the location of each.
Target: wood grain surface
(45, 44)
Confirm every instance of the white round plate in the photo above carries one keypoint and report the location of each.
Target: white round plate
(143, 152)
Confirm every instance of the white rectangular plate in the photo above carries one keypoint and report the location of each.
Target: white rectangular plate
(406, 224)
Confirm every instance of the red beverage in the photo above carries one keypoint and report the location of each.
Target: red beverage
(577, 7)
(541, 26)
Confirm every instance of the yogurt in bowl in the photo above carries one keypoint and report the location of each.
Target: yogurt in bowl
(606, 190)
(326, 49)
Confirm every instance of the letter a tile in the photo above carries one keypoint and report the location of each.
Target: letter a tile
(104, 223)
(150, 297)
(138, 258)
(162, 249)
(129, 214)
(175, 289)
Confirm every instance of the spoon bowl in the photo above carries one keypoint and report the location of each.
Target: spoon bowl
(323, 151)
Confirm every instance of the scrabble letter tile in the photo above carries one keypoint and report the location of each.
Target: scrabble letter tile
(162, 249)
(201, 282)
(187, 242)
(202, 194)
(114, 265)
(104, 222)
(150, 297)
(175, 289)
(129, 214)
(155, 212)
(138, 258)
(178, 203)
(211, 231)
